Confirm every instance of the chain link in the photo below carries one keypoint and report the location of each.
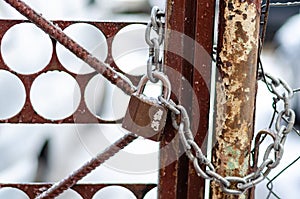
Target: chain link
(273, 154)
(157, 25)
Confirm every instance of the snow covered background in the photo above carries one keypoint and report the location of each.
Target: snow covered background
(69, 146)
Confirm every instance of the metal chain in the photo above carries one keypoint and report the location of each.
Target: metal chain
(283, 4)
(273, 154)
(229, 184)
(157, 25)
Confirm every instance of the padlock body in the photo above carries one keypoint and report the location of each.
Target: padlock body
(145, 117)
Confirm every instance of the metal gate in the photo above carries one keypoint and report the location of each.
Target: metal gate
(189, 39)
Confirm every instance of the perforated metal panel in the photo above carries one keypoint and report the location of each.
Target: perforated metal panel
(82, 114)
(86, 191)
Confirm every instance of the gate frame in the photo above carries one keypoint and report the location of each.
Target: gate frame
(195, 20)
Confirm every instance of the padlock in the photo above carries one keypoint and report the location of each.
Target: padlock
(147, 116)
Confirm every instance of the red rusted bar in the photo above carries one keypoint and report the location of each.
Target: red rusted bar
(68, 182)
(189, 87)
(235, 89)
(86, 191)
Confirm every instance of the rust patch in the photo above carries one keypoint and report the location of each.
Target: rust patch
(235, 90)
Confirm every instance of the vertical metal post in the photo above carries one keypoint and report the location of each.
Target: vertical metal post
(235, 89)
(188, 45)
(204, 35)
(174, 168)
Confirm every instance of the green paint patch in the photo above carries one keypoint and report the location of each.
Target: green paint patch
(232, 152)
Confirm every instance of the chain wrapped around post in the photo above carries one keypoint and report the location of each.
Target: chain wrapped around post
(230, 184)
(233, 184)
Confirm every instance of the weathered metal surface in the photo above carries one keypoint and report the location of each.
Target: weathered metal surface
(173, 184)
(235, 89)
(177, 179)
(145, 118)
(82, 114)
(188, 49)
(204, 36)
(86, 191)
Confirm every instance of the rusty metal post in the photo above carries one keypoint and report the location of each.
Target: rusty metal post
(189, 40)
(235, 89)
(204, 36)
(172, 183)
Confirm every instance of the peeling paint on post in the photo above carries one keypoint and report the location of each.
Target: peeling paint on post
(235, 89)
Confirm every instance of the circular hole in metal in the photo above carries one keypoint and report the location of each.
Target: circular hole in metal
(69, 194)
(55, 95)
(12, 193)
(105, 100)
(130, 50)
(116, 192)
(26, 49)
(151, 194)
(89, 37)
(12, 95)
(144, 146)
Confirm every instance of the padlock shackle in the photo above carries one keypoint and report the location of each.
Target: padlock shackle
(165, 83)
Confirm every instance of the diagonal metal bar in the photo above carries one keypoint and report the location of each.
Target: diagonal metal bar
(88, 167)
(56, 33)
